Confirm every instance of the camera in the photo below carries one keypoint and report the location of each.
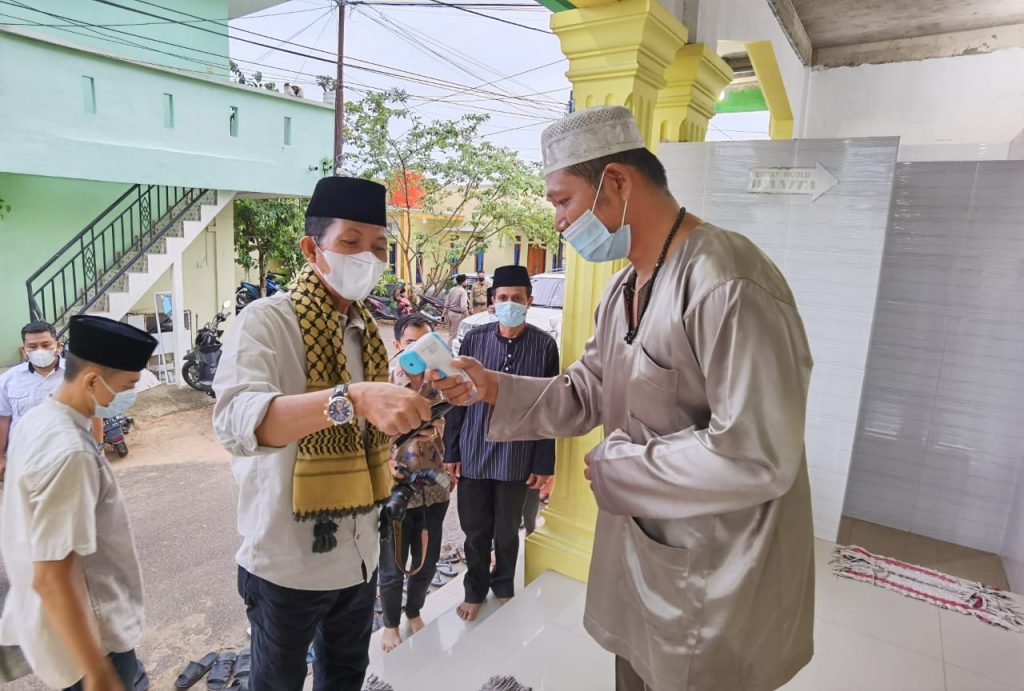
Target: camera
(412, 480)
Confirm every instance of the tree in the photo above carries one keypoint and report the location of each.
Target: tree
(478, 193)
(269, 230)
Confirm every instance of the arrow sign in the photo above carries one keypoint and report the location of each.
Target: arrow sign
(814, 181)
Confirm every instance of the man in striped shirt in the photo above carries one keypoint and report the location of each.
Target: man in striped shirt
(493, 479)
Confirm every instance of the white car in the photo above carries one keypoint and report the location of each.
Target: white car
(545, 313)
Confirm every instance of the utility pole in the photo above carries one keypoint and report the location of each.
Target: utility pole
(339, 100)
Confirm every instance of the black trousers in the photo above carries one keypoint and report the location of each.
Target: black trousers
(416, 520)
(490, 510)
(285, 621)
(531, 509)
(126, 665)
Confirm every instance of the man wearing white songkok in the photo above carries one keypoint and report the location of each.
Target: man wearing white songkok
(703, 566)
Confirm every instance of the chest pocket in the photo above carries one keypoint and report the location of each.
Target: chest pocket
(652, 394)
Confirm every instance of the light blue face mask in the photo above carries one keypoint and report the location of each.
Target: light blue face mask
(510, 314)
(119, 406)
(592, 239)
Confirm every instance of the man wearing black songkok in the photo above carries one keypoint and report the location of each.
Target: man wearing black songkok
(305, 409)
(66, 523)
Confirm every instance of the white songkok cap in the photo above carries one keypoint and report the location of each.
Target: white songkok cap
(589, 134)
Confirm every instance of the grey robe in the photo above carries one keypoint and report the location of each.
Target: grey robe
(703, 564)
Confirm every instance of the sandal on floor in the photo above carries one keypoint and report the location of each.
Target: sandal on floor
(220, 673)
(194, 671)
(378, 623)
(243, 664)
(438, 581)
(453, 558)
(446, 569)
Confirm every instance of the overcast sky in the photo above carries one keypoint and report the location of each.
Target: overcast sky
(459, 48)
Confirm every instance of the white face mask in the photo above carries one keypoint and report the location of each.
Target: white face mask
(42, 358)
(353, 276)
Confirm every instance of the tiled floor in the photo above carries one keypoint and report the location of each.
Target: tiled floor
(955, 560)
(865, 638)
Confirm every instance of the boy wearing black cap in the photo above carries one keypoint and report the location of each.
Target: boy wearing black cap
(75, 604)
(305, 408)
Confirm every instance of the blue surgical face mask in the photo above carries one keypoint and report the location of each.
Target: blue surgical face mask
(121, 403)
(510, 314)
(592, 239)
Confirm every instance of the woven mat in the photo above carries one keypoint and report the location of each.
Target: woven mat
(973, 599)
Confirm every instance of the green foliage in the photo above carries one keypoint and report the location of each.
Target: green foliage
(5, 209)
(255, 81)
(478, 193)
(327, 83)
(269, 230)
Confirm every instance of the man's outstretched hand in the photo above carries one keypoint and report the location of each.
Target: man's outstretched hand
(457, 390)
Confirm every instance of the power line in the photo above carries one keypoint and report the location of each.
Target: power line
(369, 66)
(155, 23)
(497, 19)
(331, 60)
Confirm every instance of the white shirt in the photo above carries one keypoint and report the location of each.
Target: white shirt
(61, 497)
(23, 388)
(263, 358)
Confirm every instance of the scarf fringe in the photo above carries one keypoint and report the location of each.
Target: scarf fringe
(499, 683)
(971, 598)
(373, 683)
(336, 514)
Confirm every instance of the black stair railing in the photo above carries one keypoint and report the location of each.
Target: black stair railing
(75, 278)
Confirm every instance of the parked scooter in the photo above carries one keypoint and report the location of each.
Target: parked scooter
(201, 362)
(115, 429)
(380, 309)
(432, 307)
(249, 292)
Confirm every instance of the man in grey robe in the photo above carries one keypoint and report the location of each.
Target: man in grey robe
(703, 564)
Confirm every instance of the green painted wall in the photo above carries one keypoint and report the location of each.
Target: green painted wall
(46, 213)
(48, 128)
(95, 27)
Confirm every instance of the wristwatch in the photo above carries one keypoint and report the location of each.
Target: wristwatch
(339, 407)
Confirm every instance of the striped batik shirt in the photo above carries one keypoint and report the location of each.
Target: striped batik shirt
(531, 354)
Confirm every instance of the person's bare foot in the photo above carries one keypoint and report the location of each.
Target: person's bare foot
(416, 625)
(390, 640)
(503, 600)
(468, 611)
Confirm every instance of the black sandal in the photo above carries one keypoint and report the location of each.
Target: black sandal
(194, 671)
(220, 674)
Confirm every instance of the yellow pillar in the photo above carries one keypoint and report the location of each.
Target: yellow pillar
(687, 103)
(766, 67)
(617, 54)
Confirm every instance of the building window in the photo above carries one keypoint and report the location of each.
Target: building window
(169, 111)
(89, 94)
(558, 258)
(233, 123)
(480, 261)
(287, 131)
(392, 253)
(516, 250)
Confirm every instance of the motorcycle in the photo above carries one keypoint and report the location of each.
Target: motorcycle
(115, 429)
(249, 292)
(200, 363)
(380, 308)
(431, 307)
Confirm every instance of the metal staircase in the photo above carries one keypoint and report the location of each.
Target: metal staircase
(106, 253)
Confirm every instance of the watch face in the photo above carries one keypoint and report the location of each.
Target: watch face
(339, 410)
